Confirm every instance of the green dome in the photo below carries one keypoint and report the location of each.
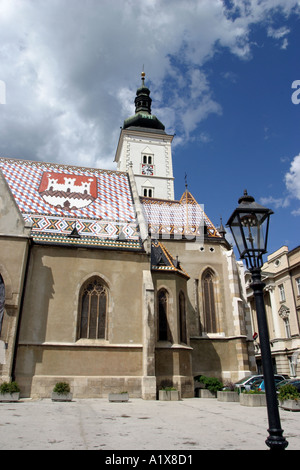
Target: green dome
(143, 116)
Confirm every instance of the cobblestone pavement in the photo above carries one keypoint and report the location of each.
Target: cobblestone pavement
(90, 424)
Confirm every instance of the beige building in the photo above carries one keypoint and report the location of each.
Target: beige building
(281, 275)
(110, 289)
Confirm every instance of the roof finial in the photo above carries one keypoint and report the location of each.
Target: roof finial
(185, 179)
(143, 76)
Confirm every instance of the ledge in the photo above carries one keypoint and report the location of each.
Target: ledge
(81, 345)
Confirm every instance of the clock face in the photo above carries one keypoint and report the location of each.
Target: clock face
(147, 169)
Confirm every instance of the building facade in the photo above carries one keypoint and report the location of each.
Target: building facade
(281, 275)
(109, 283)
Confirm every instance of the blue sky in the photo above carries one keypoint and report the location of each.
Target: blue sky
(220, 74)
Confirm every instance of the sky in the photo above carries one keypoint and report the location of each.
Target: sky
(224, 77)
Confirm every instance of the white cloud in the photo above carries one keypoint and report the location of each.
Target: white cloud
(71, 68)
(292, 178)
(275, 202)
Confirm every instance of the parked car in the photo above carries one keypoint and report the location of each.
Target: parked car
(259, 385)
(246, 382)
(295, 382)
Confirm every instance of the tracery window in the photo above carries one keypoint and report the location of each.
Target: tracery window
(182, 318)
(93, 309)
(209, 305)
(164, 332)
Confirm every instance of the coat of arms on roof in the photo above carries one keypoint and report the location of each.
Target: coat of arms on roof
(67, 191)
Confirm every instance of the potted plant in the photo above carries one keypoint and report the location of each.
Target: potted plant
(289, 398)
(169, 394)
(228, 393)
(9, 391)
(253, 398)
(118, 397)
(61, 392)
(211, 386)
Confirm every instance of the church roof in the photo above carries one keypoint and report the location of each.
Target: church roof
(74, 205)
(162, 260)
(184, 218)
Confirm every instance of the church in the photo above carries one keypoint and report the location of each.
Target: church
(109, 283)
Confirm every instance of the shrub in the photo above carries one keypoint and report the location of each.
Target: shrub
(211, 383)
(9, 387)
(288, 392)
(62, 388)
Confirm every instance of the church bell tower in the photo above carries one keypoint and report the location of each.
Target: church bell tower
(144, 145)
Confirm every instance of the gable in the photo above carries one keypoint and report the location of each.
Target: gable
(185, 218)
(11, 220)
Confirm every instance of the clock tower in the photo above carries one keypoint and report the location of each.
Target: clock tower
(144, 145)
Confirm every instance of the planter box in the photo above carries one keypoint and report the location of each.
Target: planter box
(169, 395)
(252, 399)
(6, 397)
(205, 393)
(61, 396)
(227, 395)
(118, 397)
(290, 405)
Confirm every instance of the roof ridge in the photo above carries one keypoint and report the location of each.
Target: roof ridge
(60, 165)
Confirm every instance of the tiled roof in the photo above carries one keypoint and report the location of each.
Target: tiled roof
(162, 260)
(184, 218)
(57, 198)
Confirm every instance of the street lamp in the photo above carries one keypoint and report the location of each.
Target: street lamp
(249, 225)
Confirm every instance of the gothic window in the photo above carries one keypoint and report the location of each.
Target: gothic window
(209, 306)
(182, 318)
(164, 332)
(93, 309)
(2, 301)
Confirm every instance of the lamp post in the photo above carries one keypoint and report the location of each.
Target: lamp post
(249, 225)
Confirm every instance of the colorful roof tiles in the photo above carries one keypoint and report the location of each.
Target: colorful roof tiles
(177, 219)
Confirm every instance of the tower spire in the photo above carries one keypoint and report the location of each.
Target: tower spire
(143, 117)
(143, 100)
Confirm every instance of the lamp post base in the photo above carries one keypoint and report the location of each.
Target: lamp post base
(276, 441)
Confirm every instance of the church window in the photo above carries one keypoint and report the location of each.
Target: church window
(209, 306)
(164, 332)
(93, 309)
(147, 159)
(182, 318)
(2, 301)
(148, 192)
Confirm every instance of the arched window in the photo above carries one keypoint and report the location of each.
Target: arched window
(2, 301)
(182, 318)
(93, 309)
(164, 332)
(209, 305)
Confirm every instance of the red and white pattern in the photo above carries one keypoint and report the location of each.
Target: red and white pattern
(42, 194)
